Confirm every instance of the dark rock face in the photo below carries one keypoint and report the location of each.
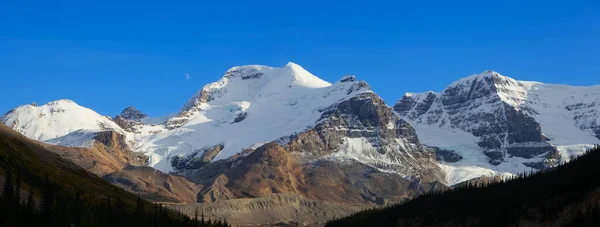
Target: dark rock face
(124, 123)
(112, 140)
(240, 117)
(519, 133)
(474, 105)
(244, 73)
(424, 106)
(358, 86)
(586, 116)
(408, 103)
(129, 118)
(348, 79)
(130, 113)
(450, 156)
(461, 95)
(496, 157)
(197, 159)
(366, 116)
(176, 122)
(117, 143)
(404, 105)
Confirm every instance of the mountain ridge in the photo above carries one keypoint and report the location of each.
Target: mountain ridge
(513, 123)
(251, 94)
(261, 131)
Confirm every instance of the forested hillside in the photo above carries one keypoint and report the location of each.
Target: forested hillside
(41, 189)
(568, 195)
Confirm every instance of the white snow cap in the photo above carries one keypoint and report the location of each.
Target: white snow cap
(55, 119)
(256, 80)
(484, 74)
(304, 78)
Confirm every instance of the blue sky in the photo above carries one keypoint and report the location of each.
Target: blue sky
(108, 55)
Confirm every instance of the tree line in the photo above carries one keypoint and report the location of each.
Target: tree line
(53, 192)
(568, 195)
(49, 206)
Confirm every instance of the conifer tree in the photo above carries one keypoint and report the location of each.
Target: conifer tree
(30, 203)
(7, 191)
(7, 201)
(18, 191)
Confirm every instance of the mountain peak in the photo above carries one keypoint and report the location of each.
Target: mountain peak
(412, 94)
(131, 113)
(489, 73)
(60, 102)
(55, 119)
(251, 81)
(488, 80)
(292, 64)
(301, 77)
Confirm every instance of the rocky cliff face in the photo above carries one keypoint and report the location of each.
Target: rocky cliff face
(131, 113)
(364, 129)
(357, 146)
(107, 153)
(509, 118)
(110, 157)
(130, 119)
(476, 105)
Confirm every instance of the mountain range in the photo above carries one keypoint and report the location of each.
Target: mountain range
(279, 137)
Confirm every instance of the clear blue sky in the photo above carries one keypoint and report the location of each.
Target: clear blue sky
(108, 55)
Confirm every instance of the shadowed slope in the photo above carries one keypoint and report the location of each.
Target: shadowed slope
(568, 195)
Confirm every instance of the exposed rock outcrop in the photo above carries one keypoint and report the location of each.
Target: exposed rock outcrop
(391, 143)
(490, 107)
(197, 159)
(446, 155)
(111, 158)
(129, 118)
(321, 164)
(131, 113)
(109, 153)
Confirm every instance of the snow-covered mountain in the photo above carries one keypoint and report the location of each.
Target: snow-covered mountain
(486, 124)
(493, 122)
(249, 106)
(56, 120)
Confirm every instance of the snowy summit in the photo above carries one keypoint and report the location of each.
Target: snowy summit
(249, 105)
